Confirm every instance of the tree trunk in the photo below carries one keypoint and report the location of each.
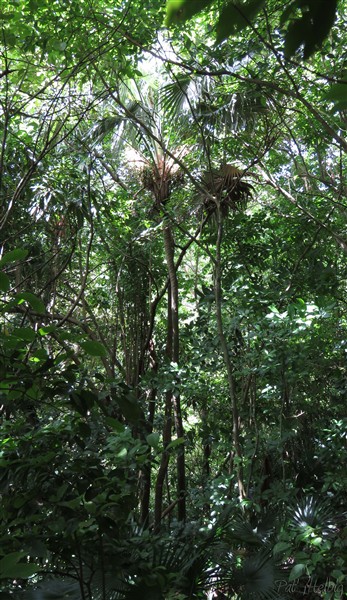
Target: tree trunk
(174, 356)
(164, 462)
(147, 470)
(226, 355)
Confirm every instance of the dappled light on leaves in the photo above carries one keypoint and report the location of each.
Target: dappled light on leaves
(173, 325)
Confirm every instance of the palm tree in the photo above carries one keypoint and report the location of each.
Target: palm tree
(158, 169)
(158, 164)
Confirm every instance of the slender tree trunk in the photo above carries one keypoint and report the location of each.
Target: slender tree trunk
(173, 299)
(147, 470)
(173, 291)
(226, 355)
(206, 470)
(164, 462)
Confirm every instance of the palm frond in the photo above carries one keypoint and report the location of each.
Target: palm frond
(311, 512)
(174, 95)
(103, 127)
(109, 124)
(245, 533)
(258, 577)
(233, 112)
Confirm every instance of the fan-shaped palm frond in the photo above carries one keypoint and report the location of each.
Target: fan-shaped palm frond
(158, 174)
(174, 94)
(212, 107)
(258, 577)
(102, 127)
(243, 531)
(312, 512)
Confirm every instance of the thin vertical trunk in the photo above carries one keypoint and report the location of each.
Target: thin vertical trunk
(226, 355)
(176, 402)
(206, 443)
(173, 291)
(164, 461)
(147, 469)
(206, 470)
(161, 194)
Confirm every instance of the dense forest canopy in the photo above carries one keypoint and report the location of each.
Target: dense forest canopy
(173, 269)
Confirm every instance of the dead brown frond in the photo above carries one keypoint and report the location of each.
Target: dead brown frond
(160, 178)
(160, 174)
(228, 188)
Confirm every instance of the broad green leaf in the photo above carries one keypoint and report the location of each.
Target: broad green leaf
(317, 541)
(83, 400)
(287, 12)
(20, 571)
(179, 11)
(78, 403)
(40, 354)
(153, 439)
(297, 571)
(10, 559)
(11, 568)
(13, 256)
(322, 13)
(236, 16)
(281, 547)
(301, 302)
(94, 348)
(130, 409)
(24, 333)
(7, 16)
(11, 39)
(48, 364)
(311, 29)
(337, 574)
(88, 397)
(122, 453)
(84, 429)
(74, 503)
(116, 425)
(178, 442)
(67, 336)
(337, 94)
(4, 282)
(295, 37)
(47, 329)
(35, 302)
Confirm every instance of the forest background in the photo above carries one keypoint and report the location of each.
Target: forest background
(173, 299)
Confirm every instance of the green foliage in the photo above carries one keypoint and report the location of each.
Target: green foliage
(338, 95)
(181, 10)
(112, 134)
(13, 256)
(94, 348)
(309, 30)
(11, 567)
(4, 282)
(234, 17)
